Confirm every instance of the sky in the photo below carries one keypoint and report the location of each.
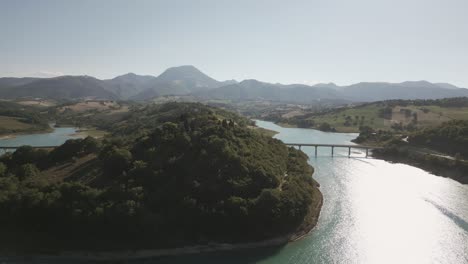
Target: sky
(303, 41)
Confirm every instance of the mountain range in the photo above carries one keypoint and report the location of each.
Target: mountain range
(188, 80)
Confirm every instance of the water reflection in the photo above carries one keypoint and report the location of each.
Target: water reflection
(378, 212)
(373, 212)
(55, 138)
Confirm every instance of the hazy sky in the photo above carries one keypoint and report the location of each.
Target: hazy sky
(342, 41)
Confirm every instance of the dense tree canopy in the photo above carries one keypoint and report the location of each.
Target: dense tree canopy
(171, 175)
(450, 137)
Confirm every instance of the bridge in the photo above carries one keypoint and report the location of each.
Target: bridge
(4, 149)
(333, 146)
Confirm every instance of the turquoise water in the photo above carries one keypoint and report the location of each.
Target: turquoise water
(373, 211)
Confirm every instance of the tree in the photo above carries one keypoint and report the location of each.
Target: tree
(170, 175)
(27, 171)
(69, 149)
(23, 155)
(3, 169)
(115, 160)
(325, 127)
(415, 117)
(90, 145)
(385, 112)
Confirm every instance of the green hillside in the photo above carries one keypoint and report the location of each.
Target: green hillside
(16, 118)
(386, 115)
(170, 175)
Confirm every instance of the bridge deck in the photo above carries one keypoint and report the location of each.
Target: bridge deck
(289, 144)
(331, 145)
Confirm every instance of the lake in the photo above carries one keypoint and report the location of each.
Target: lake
(55, 138)
(373, 212)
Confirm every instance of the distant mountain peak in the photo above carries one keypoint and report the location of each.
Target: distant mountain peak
(183, 71)
(189, 75)
(130, 74)
(180, 80)
(184, 67)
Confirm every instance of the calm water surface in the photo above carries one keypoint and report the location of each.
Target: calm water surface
(373, 212)
(54, 138)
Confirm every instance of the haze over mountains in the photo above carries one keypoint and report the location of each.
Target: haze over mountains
(188, 80)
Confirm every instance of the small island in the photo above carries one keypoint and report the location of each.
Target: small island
(170, 176)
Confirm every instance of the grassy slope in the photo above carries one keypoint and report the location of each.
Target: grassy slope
(16, 118)
(435, 116)
(14, 123)
(337, 119)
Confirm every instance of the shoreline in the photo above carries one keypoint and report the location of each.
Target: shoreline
(288, 125)
(82, 133)
(454, 172)
(14, 135)
(89, 132)
(302, 232)
(7, 136)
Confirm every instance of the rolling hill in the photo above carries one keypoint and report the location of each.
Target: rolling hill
(366, 92)
(188, 80)
(64, 87)
(395, 115)
(130, 84)
(256, 90)
(7, 82)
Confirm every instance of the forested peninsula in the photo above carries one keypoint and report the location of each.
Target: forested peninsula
(167, 176)
(441, 150)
